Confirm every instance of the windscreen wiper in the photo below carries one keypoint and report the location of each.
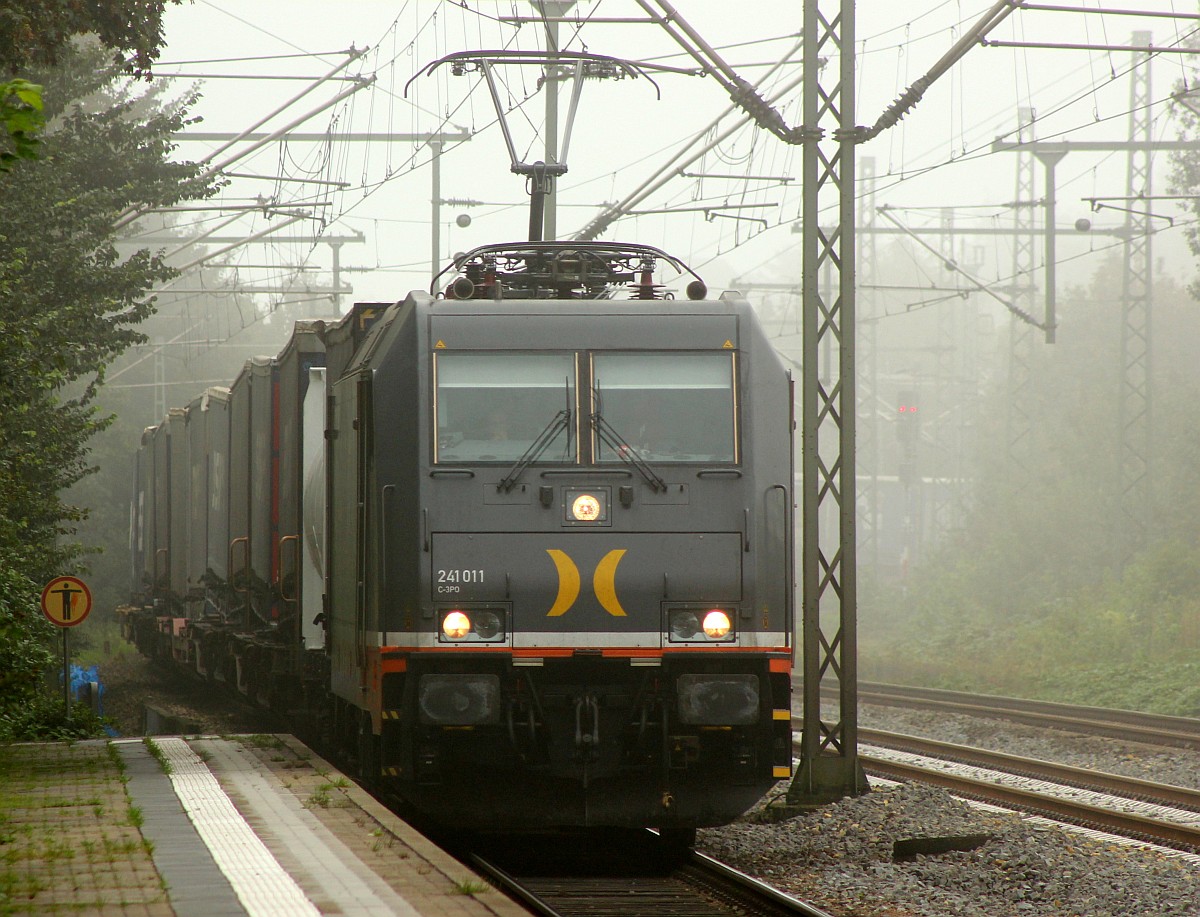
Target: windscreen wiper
(625, 452)
(558, 423)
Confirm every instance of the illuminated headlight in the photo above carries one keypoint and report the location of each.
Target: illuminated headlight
(712, 625)
(456, 625)
(472, 625)
(716, 624)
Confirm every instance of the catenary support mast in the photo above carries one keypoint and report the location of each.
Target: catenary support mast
(829, 766)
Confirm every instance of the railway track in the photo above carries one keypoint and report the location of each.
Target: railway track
(1157, 729)
(630, 877)
(1139, 809)
(1051, 771)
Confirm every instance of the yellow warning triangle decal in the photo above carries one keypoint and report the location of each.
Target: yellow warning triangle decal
(440, 345)
(728, 345)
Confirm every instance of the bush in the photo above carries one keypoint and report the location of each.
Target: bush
(44, 719)
(26, 638)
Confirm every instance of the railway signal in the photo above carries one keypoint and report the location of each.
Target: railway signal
(908, 418)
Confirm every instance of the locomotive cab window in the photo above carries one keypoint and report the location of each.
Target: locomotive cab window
(495, 407)
(677, 407)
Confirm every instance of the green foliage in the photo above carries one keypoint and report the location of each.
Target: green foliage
(44, 719)
(158, 754)
(1045, 591)
(1172, 689)
(34, 33)
(21, 116)
(72, 303)
(25, 639)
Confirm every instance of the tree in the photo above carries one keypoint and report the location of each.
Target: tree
(21, 115)
(69, 303)
(1185, 163)
(34, 33)
(1040, 589)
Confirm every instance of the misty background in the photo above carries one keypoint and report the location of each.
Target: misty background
(998, 549)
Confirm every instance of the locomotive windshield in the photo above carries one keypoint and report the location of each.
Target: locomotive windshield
(676, 407)
(492, 406)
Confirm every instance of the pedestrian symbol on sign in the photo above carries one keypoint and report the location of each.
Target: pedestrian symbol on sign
(66, 601)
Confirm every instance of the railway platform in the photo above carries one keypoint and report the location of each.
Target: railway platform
(209, 827)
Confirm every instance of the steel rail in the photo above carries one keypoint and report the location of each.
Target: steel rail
(1084, 778)
(512, 886)
(1159, 729)
(786, 901)
(697, 885)
(1139, 826)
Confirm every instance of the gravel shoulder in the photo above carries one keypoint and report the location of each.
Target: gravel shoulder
(131, 682)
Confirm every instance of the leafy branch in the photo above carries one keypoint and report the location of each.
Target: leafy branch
(23, 118)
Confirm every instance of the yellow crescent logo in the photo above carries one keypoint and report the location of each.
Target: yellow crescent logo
(604, 583)
(568, 582)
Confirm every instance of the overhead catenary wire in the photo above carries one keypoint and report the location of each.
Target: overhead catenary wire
(668, 171)
(371, 181)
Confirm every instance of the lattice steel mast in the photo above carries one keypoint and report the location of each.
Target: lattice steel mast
(1137, 297)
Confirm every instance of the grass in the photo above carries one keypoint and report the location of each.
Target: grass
(123, 847)
(158, 755)
(319, 798)
(114, 757)
(471, 887)
(55, 849)
(54, 802)
(101, 642)
(261, 741)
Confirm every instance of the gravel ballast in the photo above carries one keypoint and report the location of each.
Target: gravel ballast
(841, 858)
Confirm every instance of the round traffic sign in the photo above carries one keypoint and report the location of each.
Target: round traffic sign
(66, 601)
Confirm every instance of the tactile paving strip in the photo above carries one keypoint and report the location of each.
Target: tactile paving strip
(261, 884)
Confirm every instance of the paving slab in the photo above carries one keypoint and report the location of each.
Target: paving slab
(213, 827)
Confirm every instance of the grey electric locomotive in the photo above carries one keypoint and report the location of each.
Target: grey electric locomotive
(559, 575)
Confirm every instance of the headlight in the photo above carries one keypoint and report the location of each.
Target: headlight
(699, 625)
(716, 624)
(684, 625)
(718, 700)
(459, 700)
(472, 625)
(456, 625)
(487, 625)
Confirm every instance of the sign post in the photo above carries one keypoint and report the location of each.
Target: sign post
(66, 602)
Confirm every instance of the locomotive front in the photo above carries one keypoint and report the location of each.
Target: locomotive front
(568, 601)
